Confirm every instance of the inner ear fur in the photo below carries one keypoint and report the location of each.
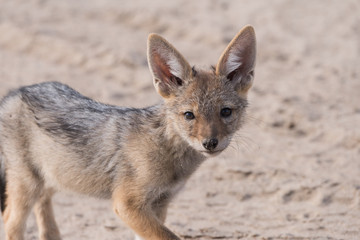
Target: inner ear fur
(237, 62)
(169, 68)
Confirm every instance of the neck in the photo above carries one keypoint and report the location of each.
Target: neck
(169, 137)
(166, 146)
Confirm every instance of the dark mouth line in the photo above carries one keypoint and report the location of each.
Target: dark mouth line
(211, 152)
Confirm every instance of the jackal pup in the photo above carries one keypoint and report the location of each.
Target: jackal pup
(52, 138)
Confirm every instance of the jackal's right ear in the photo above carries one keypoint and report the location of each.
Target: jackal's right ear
(169, 68)
(237, 62)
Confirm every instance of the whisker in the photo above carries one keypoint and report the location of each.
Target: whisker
(251, 119)
(244, 142)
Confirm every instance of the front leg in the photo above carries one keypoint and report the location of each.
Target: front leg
(159, 207)
(139, 215)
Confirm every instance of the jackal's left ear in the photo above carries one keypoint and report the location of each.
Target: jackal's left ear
(237, 62)
(169, 68)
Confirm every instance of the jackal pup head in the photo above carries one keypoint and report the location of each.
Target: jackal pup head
(205, 107)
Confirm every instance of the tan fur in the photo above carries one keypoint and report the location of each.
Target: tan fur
(45, 217)
(52, 138)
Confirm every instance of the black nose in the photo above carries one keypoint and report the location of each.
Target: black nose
(210, 144)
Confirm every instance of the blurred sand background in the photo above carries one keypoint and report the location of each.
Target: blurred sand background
(294, 171)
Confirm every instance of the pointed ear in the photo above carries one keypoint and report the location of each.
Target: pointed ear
(237, 62)
(169, 68)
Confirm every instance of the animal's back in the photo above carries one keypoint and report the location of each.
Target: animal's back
(56, 109)
(61, 110)
(62, 134)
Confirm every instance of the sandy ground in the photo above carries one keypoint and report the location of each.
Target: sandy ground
(294, 170)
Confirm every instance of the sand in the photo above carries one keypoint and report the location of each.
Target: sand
(293, 172)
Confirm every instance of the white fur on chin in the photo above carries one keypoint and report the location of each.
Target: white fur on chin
(138, 238)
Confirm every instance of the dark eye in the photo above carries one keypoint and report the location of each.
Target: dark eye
(189, 115)
(225, 112)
